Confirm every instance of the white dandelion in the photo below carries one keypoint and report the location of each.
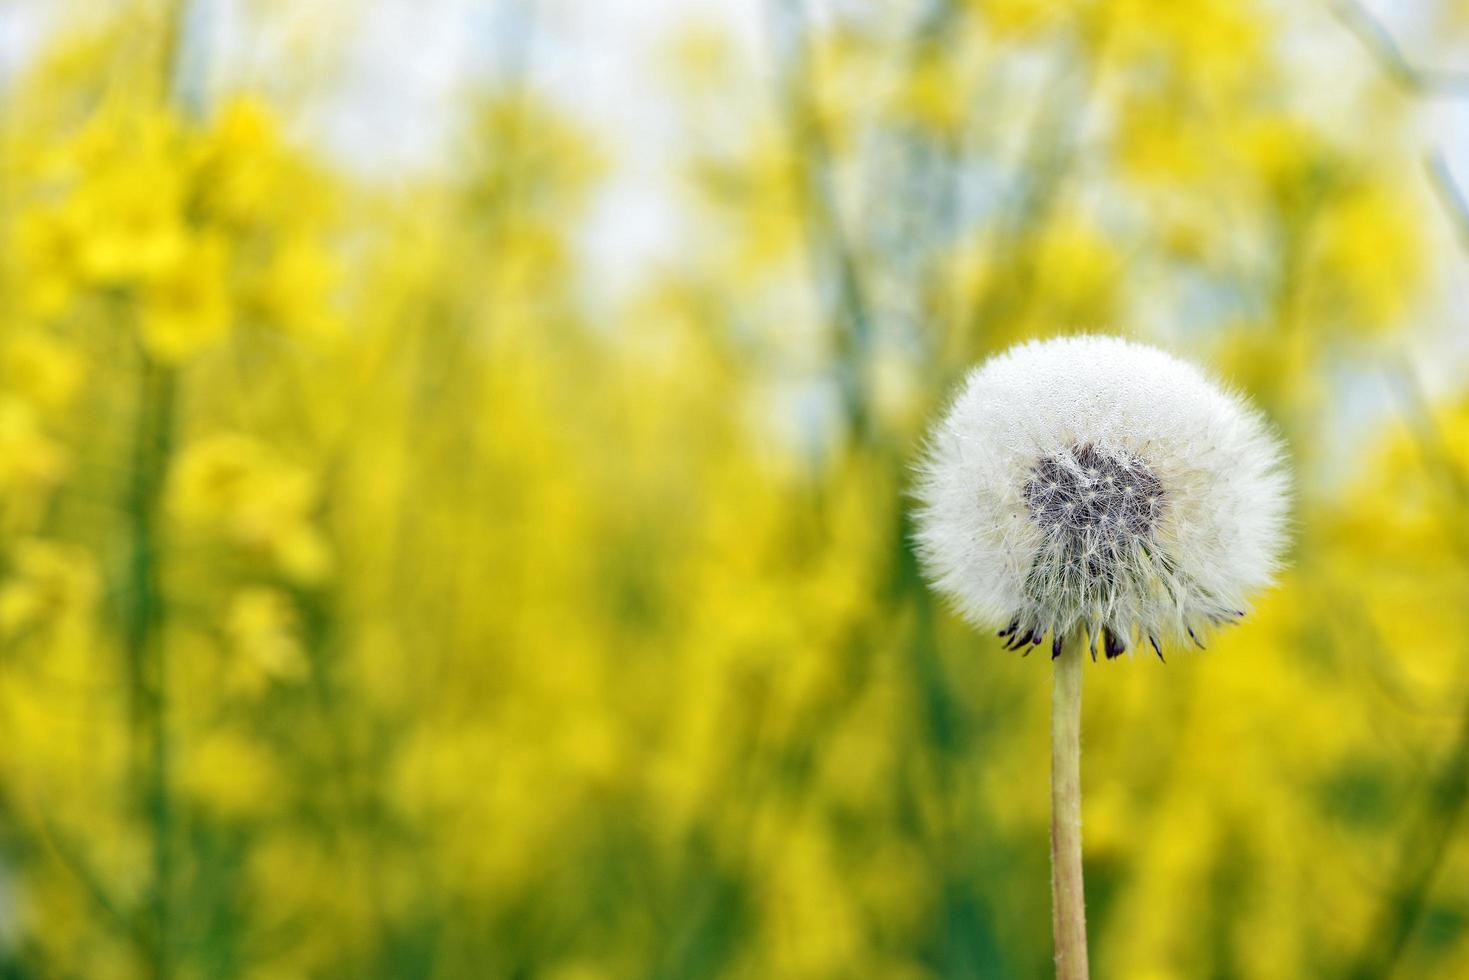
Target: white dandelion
(1093, 484)
(1092, 489)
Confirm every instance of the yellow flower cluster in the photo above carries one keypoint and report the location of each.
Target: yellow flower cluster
(191, 231)
(239, 489)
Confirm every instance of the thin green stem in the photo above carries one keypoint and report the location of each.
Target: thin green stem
(142, 625)
(1419, 866)
(142, 607)
(1068, 899)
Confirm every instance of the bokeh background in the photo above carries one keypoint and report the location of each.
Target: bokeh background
(453, 462)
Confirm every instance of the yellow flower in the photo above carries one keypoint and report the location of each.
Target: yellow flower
(29, 459)
(46, 247)
(47, 581)
(263, 629)
(1077, 269)
(241, 489)
(1370, 256)
(1278, 152)
(236, 165)
(231, 775)
(1023, 18)
(127, 207)
(1157, 141)
(292, 289)
(935, 94)
(187, 308)
(40, 368)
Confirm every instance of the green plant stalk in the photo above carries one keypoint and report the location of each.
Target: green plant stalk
(1068, 899)
(1419, 866)
(142, 624)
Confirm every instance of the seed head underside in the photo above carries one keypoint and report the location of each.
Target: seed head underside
(1099, 512)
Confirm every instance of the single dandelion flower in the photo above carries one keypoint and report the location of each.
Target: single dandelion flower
(1102, 493)
(1094, 484)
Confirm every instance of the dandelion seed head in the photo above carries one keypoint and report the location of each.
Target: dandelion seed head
(1090, 483)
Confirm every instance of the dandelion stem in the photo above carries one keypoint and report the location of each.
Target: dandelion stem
(1068, 900)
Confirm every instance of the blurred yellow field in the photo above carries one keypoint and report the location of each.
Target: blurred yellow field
(398, 579)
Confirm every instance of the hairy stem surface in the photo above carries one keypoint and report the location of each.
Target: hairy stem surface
(1068, 902)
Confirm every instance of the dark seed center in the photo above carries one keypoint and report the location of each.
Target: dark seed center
(1094, 496)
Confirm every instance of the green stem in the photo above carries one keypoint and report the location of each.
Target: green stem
(142, 622)
(1419, 866)
(1068, 900)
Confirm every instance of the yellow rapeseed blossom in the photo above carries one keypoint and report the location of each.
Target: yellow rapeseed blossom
(237, 166)
(185, 308)
(1368, 254)
(264, 630)
(42, 369)
(31, 462)
(125, 208)
(237, 487)
(232, 775)
(46, 582)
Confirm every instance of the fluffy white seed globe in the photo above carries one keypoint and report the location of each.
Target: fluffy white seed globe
(1094, 484)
